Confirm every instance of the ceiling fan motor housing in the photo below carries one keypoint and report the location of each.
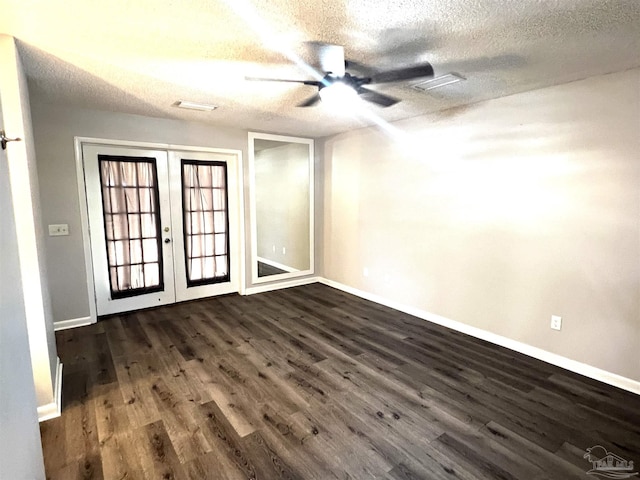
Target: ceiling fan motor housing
(347, 79)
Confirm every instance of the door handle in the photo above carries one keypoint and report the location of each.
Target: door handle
(167, 240)
(4, 139)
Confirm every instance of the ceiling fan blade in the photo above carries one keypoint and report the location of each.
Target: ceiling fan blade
(305, 82)
(331, 59)
(310, 102)
(401, 74)
(376, 97)
(361, 69)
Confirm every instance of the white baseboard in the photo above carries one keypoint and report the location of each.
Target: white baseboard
(72, 323)
(53, 409)
(279, 285)
(281, 266)
(609, 378)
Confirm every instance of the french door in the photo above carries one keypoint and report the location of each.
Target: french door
(163, 225)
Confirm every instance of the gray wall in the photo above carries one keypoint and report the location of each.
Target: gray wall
(501, 214)
(55, 128)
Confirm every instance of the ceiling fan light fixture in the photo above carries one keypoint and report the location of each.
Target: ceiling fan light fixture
(437, 82)
(344, 91)
(338, 95)
(203, 107)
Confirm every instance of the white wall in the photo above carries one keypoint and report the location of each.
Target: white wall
(500, 214)
(26, 203)
(282, 204)
(20, 447)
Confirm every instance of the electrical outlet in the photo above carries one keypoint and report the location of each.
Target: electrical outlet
(556, 322)
(284, 250)
(58, 230)
(365, 272)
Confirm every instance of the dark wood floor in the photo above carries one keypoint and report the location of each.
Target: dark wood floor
(312, 383)
(265, 270)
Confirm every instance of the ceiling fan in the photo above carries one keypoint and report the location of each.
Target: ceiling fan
(339, 87)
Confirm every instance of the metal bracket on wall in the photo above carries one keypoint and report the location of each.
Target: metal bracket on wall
(4, 139)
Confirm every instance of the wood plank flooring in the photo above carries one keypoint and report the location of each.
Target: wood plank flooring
(313, 383)
(265, 270)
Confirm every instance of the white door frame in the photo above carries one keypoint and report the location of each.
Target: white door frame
(84, 213)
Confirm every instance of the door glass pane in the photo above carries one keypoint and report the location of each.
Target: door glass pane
(129, 188)
(206, 221)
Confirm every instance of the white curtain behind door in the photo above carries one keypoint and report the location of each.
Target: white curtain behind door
(130, 203)
(206, 223)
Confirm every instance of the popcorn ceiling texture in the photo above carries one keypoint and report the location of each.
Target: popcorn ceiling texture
(142, 56)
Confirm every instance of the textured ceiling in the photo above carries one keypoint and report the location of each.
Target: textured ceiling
(142, 56)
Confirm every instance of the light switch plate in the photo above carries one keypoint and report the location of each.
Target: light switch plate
(58, 230)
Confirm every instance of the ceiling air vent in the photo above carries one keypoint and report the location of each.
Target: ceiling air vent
(203, 107)
(438, 82)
